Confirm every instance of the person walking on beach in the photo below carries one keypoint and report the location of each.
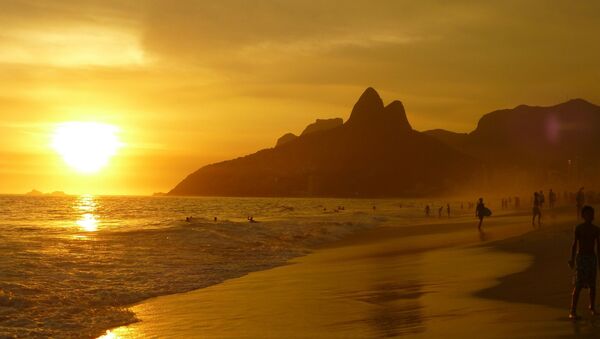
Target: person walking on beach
(584, 258)
(480, 212)
(427, 210)
(537, 210)
(440, 210)
(579, 200)
(551, 199)
(448, 209)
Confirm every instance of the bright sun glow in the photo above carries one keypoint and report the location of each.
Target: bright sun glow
(86, 146)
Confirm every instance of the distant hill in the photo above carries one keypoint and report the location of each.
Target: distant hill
(530, 146)
(375, 153)
(533, 136)
(35, 192)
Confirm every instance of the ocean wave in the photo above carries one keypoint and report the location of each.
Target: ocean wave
(61, 281)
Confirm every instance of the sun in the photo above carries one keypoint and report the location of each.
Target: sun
(86, 146)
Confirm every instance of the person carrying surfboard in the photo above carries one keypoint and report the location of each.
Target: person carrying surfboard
(481, 211)
(586, 245)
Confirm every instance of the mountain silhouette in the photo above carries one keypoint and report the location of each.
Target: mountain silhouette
(533, 136)
(376, 153)
(322, 125)
(285, 139)
(319, 125)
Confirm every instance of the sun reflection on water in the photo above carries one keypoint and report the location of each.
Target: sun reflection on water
(87, 220)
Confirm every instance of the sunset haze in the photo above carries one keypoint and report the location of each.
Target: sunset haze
(188, 83)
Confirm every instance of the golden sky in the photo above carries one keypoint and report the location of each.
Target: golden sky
(188, 83)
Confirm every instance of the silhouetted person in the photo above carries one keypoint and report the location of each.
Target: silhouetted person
(448, 209)
(537, 210)
(480, 212)
(579, 200)
(586, 245)
(440, 210)
(542, 199)
(551, 199)
(427, 210)
(215, 219)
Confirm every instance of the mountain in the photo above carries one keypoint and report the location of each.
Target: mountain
(528, 147)
(456, 140)
(321, 125)
(375, 153)
(286, 138)
(37, 193)
(34, 192)
(533, 136)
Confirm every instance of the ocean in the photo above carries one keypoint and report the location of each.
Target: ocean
(70, 266)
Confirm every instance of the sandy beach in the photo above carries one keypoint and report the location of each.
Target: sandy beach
(436, 280)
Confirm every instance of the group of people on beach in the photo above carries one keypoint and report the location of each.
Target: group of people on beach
(585, 247)
(538, 200)
(442, 210)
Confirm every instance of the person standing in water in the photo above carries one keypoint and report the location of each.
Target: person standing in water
(579, 200)
(480, 212)
(537, 210)
(584, 258)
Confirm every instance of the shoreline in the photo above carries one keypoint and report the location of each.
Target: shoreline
(548, 281)
(376, 244)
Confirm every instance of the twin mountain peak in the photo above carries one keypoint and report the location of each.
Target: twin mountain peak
(369, 112)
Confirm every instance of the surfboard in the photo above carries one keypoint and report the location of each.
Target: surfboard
(487, 212)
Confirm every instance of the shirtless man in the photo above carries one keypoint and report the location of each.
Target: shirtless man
(586, 245)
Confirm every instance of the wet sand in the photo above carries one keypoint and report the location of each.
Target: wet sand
(426, 281)
(548, 281)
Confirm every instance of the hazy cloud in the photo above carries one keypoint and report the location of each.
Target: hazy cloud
(238, 74)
